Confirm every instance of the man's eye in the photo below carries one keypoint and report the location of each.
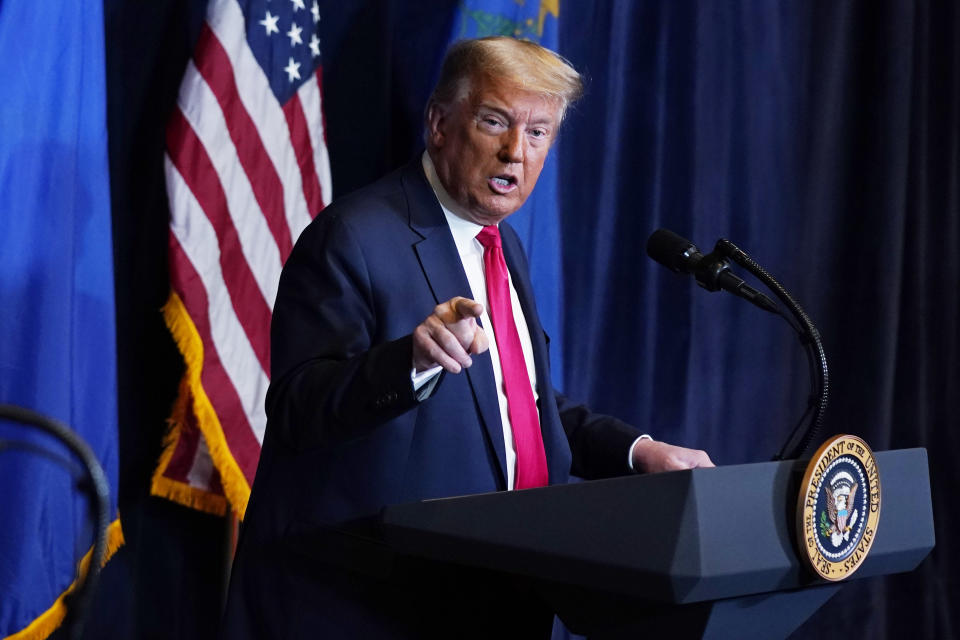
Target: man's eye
(492, 122)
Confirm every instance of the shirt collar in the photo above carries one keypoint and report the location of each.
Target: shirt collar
(464, 231)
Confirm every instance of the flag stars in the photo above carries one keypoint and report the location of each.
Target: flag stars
(294, 35)
(315, 10)
(293, 70)
(297, 5)
(270, 23)
(314, 46)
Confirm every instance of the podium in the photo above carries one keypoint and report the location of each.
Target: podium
(702, 553)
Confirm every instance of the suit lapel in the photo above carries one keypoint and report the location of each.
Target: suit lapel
(444, 273)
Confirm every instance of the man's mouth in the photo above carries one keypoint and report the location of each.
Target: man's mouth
(503, 184)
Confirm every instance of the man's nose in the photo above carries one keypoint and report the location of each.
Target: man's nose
(511, 146)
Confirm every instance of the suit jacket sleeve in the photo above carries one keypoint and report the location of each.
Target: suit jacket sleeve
(331, 378)
(600, 444)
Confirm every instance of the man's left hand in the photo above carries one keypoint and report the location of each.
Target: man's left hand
(651, 456)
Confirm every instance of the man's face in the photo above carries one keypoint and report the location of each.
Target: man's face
(489, 147)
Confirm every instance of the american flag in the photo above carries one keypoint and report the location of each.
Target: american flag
(246, 169)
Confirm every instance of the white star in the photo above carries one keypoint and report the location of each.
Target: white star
(294, 35)
(270, 22)
(315, 10)
(297, 5)
(315, 45)
(293, 70)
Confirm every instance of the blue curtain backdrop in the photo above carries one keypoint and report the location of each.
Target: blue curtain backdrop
(824, 139)
(689, 123)
(57, 322)
(821, 137)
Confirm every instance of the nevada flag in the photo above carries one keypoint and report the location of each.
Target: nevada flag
(57, 342)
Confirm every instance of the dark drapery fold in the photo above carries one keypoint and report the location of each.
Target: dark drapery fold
(822, 138)
(694, 109)
(881, 171)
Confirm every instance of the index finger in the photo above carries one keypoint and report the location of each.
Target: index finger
(467, 308)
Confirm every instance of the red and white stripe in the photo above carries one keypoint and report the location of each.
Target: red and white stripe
(245, 175)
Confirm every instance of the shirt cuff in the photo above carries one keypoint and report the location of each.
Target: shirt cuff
(632, 446)
(425, 381)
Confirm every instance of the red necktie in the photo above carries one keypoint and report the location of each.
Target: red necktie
(524, 420)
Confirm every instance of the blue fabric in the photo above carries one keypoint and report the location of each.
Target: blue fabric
(683, 130)
(822, 139)
(537, 222)
(57, 342)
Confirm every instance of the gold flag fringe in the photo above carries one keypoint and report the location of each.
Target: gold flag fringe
(235, 484)
(174, 490)
(48, 621)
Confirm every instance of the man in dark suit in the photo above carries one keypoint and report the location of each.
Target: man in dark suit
(408, 363)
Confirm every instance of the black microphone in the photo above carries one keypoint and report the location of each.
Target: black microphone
(712, 271)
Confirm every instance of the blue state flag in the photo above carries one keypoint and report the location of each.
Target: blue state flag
(57, 324)
(538, 221)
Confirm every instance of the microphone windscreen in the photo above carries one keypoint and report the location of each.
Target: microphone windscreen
(672, 251)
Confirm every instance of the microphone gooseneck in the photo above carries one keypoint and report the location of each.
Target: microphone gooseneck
(800, 438)
(712, 272)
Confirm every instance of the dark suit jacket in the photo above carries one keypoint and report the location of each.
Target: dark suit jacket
(345, 433)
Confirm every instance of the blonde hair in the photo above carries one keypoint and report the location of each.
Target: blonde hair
(525, 64)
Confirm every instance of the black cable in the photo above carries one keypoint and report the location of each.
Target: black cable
(79, 600)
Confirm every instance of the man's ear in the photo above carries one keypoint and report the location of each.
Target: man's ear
(436, 124)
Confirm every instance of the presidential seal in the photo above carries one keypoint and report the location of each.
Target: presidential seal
(839, 507)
